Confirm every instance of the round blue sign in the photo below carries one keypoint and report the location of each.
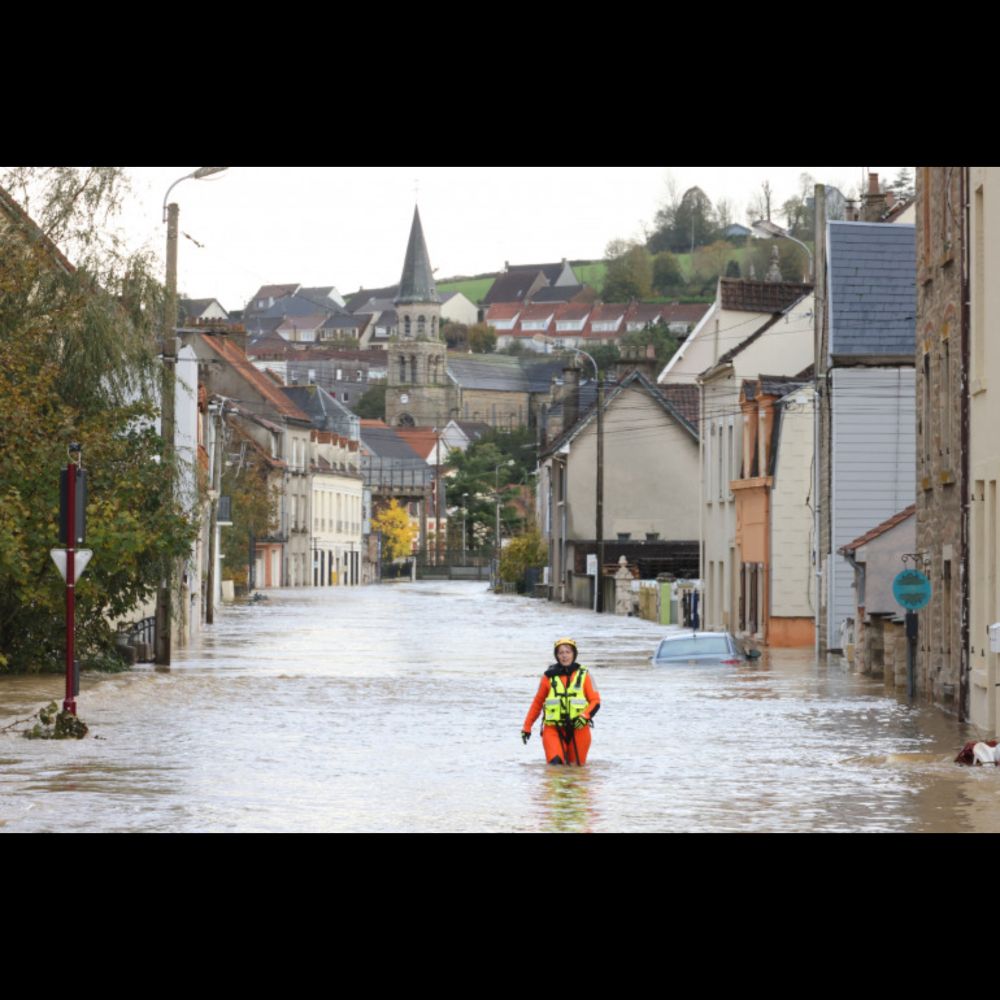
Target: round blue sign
(912, 589)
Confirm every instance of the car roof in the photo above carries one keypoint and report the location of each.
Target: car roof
(695, 635)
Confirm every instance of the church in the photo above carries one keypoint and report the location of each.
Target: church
(427, 387)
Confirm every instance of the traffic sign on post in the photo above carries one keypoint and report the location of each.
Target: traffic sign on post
(912, 589)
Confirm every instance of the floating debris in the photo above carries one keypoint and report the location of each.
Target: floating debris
(51, 725)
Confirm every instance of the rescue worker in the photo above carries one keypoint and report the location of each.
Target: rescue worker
(570, 701)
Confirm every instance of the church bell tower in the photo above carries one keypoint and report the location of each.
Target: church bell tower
(418, 393)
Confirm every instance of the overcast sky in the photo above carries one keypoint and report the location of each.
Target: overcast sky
(348, 226)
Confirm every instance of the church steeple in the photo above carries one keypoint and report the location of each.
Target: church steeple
(417, 281)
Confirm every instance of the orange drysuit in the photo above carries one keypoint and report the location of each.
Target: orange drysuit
(564, 746)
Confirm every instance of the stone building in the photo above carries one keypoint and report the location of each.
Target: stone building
(942, 428)
(419, 392)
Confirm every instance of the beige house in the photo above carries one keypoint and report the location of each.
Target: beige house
(779, 343)
(741, 307)
(336, 501)
(650, 487)
(984, 443)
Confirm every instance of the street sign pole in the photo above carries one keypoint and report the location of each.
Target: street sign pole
(69, 704)
(912, 589)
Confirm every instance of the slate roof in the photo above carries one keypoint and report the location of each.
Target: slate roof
(503, 372)
(873, 290)
(364, 296)
(557, 293)
(193, 308)
(416, 284)
(512, 286)
(749, 295)
(381, 440)
(325, 412)
(610, 397)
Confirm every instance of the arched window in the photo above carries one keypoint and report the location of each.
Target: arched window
(406, 326)
(413, 368)
(434, 323)
(402, 368)
(405, 420)
(421, 324)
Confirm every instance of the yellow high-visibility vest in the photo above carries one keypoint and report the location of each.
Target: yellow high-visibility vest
(566, 702)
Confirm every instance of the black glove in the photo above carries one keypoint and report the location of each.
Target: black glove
(525, 735)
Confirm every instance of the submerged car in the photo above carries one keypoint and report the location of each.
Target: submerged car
(703, 647)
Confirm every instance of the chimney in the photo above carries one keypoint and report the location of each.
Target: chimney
(874, 202)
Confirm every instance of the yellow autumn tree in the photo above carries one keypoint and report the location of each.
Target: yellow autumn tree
(398, 532)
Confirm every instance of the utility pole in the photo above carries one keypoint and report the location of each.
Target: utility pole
(213, 498)
(164, 597)
(598, 579)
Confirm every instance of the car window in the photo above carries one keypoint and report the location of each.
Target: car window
(692, 647)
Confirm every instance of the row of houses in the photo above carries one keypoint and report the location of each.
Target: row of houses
(817, 425)
(577, 324)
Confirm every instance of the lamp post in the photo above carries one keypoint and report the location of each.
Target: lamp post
(171, 212)
(765, 229)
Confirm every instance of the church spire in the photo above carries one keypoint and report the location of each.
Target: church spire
(417, 281)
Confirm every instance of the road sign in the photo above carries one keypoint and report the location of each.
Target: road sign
(80, 559)
(912, 589)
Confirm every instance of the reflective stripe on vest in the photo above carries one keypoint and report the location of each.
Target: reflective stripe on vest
(565, 703)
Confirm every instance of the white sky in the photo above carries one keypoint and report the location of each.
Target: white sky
(348, 226)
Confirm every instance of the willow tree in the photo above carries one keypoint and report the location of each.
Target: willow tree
(79, 318)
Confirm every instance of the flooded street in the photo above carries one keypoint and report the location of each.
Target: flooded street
(398, 708)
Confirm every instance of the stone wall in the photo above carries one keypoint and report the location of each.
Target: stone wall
(940, 431)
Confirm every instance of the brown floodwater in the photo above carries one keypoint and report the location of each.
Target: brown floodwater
(398, 708)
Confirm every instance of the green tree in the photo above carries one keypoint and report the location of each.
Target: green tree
(629, 272)
(398, 532)
(667, 275)
(78, 362)
(695, 222)
(255, 506)
(902, 186)
(482, 338)
(371, 406)
(455, 335)
(497, 460)
(664, 342)
(520, 554)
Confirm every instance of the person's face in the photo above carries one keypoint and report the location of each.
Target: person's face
(564, 654)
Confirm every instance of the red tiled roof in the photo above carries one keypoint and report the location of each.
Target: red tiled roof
(503, 310)
(422, 440)
(684, 398)
(265, 386)
(746, 295)
(879, 529)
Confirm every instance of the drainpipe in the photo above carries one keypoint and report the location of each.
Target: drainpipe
(964, 482)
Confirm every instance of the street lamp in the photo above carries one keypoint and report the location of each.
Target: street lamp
(164, 596)
(765, 229)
